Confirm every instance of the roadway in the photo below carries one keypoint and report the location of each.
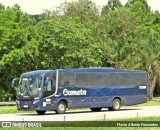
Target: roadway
(84, 115)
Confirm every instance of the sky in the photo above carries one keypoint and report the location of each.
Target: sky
(37, 6)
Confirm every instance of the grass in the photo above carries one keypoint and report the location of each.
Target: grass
(11, 110)
(150, 103)
(126, 121)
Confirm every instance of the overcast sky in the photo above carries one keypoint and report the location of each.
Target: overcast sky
(37, 6)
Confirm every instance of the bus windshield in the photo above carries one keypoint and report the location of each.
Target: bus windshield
(30, 86)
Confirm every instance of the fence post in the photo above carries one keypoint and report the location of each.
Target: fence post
(64, 119)
(104, 121)
(22, 123)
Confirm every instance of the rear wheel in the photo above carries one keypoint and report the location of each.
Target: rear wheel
(40, 112)
(96, 109)
(116, 104)
(61, 107)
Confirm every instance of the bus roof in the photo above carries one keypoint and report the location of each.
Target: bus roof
(100, 70)
(82, 70)
(36, 72)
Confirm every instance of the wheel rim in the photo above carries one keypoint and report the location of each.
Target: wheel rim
(61, 107)
(116, 105)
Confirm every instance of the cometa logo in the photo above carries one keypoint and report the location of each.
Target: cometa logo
(67, 92)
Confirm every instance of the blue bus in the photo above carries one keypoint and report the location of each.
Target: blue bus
(93, 88)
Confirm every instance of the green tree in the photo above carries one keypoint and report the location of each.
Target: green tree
(121, 28)
(148, 52)
(142, 5)
(66, 44)
(70, 30)
(86, 10)
(16, 34)
(111, 5)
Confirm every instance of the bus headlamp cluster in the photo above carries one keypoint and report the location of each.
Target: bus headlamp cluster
(34, 102)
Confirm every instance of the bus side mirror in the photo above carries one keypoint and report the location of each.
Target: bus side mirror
(13, 81)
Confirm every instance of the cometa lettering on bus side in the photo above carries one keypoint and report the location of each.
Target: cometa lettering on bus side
(67, 92)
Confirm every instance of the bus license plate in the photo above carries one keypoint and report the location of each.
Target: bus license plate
(25, 106)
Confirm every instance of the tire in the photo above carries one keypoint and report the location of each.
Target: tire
(96, 109)
(40, 112)
(116, 105)
(61, 108)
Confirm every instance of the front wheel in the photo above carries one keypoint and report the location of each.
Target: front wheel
(116, 104)
(96, 109)
(61, 108)
(40, 112)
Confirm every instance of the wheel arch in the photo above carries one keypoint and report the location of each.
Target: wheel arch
(116, 98)
(65, 101)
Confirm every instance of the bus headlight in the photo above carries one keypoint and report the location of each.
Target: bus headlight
(34, 102)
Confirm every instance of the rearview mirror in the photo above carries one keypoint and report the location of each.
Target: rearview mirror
(13, 81)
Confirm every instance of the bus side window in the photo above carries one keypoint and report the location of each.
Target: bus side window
(66, 84)
(49, 87)
(53, 84)
(50, 83)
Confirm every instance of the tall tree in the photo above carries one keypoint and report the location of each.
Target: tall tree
(121, 28)
(16, 34)
(147, 52)
(86, 10)
(66, 44)
(111, 5)
(143, 5)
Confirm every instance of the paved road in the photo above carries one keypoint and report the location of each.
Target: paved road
(78, 115)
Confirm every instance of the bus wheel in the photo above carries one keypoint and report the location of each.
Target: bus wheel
(96, 109)
(40, 112)
(61, 107)
(116, 104)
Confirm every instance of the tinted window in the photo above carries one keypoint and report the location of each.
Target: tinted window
(49, 84)
(101, 79)
(66, 79)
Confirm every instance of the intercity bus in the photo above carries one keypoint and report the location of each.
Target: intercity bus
(93, 88)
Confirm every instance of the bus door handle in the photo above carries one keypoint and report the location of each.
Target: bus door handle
(56, 95)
